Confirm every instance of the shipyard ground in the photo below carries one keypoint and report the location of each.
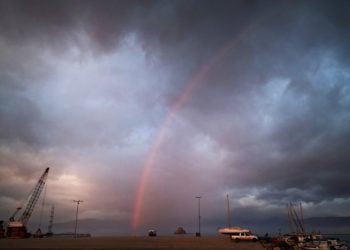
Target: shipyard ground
(131, 243)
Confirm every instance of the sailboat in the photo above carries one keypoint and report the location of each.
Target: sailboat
(235, 231)
(228, 230)
(308, 241)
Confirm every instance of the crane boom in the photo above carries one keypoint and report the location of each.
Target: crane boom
(34, 198)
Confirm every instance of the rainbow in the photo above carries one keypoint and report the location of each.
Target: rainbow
(166, 123)
(178, 104)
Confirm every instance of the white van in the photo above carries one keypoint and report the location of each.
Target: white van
(243, 234)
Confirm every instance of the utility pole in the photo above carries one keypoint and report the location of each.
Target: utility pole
(76, 217)
(199, 216)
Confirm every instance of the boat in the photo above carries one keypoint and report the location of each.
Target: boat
(236, 232)
(323, 245)
(303, 240)
(232, 230)
(228, 230)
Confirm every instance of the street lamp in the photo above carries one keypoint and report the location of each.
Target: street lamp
(198, 234)
(76, 217)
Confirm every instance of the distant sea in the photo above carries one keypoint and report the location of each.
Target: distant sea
(342, 237)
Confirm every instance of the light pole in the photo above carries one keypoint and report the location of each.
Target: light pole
(76, 216)
(199, 216)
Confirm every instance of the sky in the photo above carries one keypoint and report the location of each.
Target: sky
(139, 107)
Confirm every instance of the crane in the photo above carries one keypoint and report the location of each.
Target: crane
(17, 229)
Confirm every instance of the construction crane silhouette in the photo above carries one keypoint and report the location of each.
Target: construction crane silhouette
(17, 229)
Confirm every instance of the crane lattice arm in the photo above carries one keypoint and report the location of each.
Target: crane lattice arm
(34, 198)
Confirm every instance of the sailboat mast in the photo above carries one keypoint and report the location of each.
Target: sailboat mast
(302, 219)
(291, 218)
(228, 211)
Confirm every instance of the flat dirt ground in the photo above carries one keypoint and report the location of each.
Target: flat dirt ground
(131, 243)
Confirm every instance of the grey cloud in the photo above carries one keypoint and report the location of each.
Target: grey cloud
(268, 120)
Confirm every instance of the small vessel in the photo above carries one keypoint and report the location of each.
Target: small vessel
(231, 230)
(303, 240)
(323, 245)
(236, 233)
(228, 230)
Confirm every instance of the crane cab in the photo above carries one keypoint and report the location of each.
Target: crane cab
(16, 229)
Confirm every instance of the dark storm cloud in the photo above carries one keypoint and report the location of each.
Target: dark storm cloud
(176, 26)
(306, 46)
(267, 122)
(37, 22)
(57, 24)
